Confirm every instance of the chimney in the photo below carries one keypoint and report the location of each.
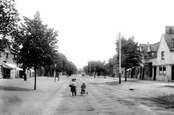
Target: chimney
(172, 29)
(148, 47)
(167, 30)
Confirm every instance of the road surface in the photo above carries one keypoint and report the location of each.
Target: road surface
(102, 99)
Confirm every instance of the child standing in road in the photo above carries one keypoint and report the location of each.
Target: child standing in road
(73, 86)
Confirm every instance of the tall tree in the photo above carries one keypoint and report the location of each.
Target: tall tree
(96, 67)
(8, 21)
(37, 43)
(130, 53)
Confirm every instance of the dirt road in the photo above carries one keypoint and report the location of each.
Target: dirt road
(55, 99)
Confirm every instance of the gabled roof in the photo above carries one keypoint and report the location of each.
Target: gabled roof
(152, 47)
(170, 41)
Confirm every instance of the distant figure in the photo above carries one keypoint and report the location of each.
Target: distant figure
(73, 86)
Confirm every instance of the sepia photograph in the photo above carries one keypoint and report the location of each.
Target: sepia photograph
(86, 57)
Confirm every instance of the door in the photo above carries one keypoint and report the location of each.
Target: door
(172, 72)
(154, 78)
(6, 73)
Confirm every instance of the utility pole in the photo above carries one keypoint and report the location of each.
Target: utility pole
(119, 37)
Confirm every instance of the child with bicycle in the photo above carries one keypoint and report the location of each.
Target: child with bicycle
(83, 87)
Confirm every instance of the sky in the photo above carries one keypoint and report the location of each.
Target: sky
(88, 29)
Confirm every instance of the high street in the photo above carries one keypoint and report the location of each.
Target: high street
(105, 97)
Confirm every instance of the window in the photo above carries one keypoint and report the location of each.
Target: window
(162, 55)
(164, 70)
(160, 70)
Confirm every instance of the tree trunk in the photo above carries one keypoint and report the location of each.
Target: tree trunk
(125, 74)
(58, 76)
(35, 78)
(54, 74)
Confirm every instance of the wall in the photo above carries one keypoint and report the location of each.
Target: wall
(166, 77)
(163, 47)
(171, 57)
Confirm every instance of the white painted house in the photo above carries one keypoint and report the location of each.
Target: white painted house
(159, 58)
(165, 58)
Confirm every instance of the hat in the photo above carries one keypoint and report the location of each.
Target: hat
(74, 79)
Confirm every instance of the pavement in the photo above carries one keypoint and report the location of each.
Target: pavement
(154, 82)
(144, 87)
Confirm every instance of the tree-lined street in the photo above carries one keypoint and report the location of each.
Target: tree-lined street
(105, 97)
(30, 56)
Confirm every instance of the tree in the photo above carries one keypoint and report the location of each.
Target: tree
(70, 68)
(37, 43)
(130, 53)
(62, 65)
(8, 21)
(96, 67)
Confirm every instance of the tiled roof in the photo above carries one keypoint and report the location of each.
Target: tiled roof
(143, 47)
(153, 48)
(170, 41)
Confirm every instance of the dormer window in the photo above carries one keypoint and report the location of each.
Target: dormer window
(162, 55)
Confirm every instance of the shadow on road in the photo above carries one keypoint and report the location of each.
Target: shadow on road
(12, 88)
(166, 102)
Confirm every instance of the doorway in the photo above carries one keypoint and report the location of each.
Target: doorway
(154, 78)
(172, 72)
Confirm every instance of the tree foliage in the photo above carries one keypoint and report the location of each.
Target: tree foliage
(61, 64)
(97, 67)
(8, 21)
(38, 43)
(130, 54)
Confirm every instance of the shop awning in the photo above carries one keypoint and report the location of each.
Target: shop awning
(32, 70)
(11, 66)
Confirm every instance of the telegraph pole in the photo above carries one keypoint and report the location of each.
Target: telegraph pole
(119, 37)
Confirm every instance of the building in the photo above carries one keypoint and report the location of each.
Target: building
(165, 58)
(148, 68)
(8, 66)
(158, 61)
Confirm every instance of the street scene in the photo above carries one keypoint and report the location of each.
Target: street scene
(105, 97)
(95, 57)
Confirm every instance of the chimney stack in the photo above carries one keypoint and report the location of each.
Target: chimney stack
(167, 30)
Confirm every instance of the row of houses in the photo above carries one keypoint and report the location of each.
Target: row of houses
(158, 59)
